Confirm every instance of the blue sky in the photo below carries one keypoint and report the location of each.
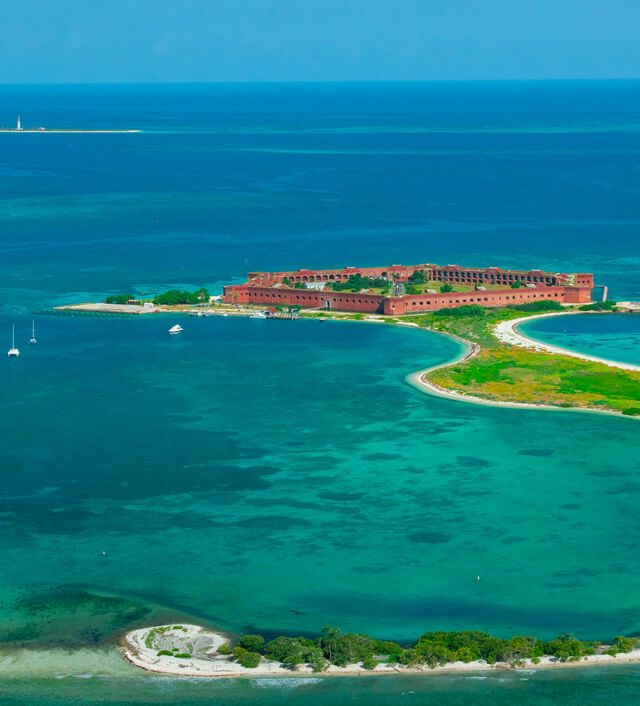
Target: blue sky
(45, 41)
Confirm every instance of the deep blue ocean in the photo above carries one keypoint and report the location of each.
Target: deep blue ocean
(278, 476)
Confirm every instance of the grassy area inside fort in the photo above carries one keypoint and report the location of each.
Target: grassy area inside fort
(507, 373)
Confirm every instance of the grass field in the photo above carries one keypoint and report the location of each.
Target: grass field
(508, 374)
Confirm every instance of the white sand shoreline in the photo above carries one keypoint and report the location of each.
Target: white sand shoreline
(470, 350)
(509, 332)
(205, 663)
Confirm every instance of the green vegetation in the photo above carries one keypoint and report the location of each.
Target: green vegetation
(119, 299)
(166, 653)
(224, 649)
(622, 644)
(182, 655)
(516, 285)
(432, 649)
(253, 643)
(539, 306)
(356, 283)
(512, 374)
(609, 305)
(445, 288)
(465, 310)
(247, 658)
(418, 277)
(175, 296)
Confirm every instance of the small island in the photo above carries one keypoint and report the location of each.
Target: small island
(481, 308)
(190, 650)
(19, 128)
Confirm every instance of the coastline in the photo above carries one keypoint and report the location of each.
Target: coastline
(209, 664)
(419, 380)
(509, 332)
(506, 332)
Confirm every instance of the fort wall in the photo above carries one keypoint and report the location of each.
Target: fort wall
(535, 285)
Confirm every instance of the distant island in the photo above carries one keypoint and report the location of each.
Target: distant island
(19, 128)
(190, 650)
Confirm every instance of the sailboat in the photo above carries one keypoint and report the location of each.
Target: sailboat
(13, 351)
(32, 340)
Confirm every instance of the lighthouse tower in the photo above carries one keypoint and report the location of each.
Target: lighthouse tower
(19, 128)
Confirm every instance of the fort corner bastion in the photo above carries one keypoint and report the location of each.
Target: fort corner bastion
(396, 287)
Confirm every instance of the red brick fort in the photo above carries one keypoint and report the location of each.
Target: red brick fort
(491, 287)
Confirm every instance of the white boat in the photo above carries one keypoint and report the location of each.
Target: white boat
(32, 340)
(176, 329)
(258, 315)
(13, 351)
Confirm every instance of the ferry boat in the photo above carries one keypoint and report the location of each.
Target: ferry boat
(32, 340)
(258, 315)
(13, 351)
(176, 329)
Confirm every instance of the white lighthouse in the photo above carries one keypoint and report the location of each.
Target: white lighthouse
(18, 127)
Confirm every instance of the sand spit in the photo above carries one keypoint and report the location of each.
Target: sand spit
(419, 379)
(199, 658)
(508, 332)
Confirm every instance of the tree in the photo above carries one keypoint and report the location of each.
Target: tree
(516, 285)
(445, 288)
(119, 299)
(253, 643)
(250, 659)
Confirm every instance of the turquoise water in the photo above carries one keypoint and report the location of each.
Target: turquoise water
(277, 476)
(614, 337)
(574, 687)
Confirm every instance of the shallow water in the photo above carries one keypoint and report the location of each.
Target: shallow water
(571, 687)
(266, 475)
(277, 476)
(611, 336)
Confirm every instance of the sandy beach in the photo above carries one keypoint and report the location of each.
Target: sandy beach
(203, 661)
(510, 335)
(508, 332)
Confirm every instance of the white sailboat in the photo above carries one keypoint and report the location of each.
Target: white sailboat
(32, 340)
(176, 329)
(13, 351)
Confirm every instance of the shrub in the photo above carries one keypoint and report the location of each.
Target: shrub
(516, 285)
(253, 643)
(609, 305)
(250, 659)
(464, 310)
(224, 649)
(445, 288)
(631, 411)
(182, 655)
(542, 305)
(165, 653)
(369, 662)
(119, 299)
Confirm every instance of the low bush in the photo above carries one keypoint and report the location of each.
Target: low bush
(250, 659)
(542, 305)
(464, 310)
